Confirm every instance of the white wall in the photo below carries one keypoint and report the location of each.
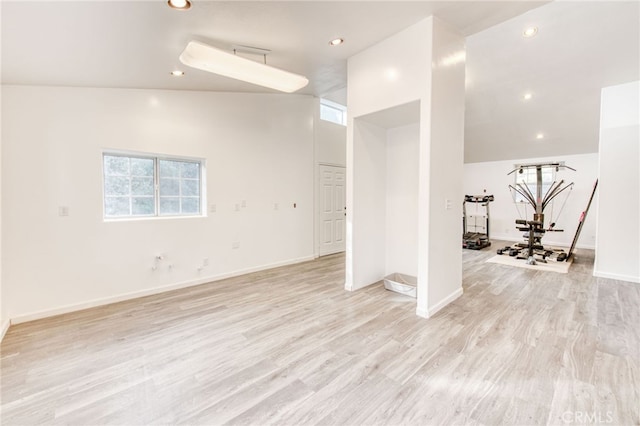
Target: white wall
(330, 140)
(412, 69)
(367, 178)
(4, 317)
(618, 241)
(389, 74)
(403, 151)
(258, 149)
(492, 177)
(445, 161)
(393, 72)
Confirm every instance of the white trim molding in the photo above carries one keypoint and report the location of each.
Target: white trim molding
(618, 277)
(5, 328)
(438, 306)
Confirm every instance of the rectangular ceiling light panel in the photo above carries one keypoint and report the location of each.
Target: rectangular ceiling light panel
(207, 58)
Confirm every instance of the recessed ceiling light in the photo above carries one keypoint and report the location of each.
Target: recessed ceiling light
(177, 73)
(530, 32)
(336, 42)
(179, 4)
(527, 96)
(540, 136)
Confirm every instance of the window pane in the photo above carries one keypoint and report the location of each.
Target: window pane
(132, 186)
(169, 168)
(142, 186)
(529, 179)
(115, 185)
(116, 165)
(169, 205)
(117, 206)
(330, 114)
(169, 187)
(331, 111)
(190, 205)
(190, 187)
(143, 205)
(190, 170)
(142, 167)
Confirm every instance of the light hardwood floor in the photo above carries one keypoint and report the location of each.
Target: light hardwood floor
(290, 347)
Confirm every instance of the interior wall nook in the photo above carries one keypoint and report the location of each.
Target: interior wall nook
(414, 78)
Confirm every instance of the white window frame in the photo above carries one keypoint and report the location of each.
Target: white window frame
(156, 158)
(334, 106)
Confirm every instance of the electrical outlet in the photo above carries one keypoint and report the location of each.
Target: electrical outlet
(205, 261)
(244, 203)
(447, 204)
(276, 206)
(63, 211)
(212, 208)
(237, 207)
(235, 245)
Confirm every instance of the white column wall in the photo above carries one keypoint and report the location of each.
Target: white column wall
(258, 149)
(4, 317)
(618, 225)
(417, 64)
(394, 72)
(446, 158)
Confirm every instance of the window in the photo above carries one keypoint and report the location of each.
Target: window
(334, 112)
(529, 179)
(148, 186)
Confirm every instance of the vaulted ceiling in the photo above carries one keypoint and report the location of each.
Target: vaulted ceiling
(579, 48)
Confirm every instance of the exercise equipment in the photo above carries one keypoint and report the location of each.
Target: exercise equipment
(534, 233)
(476, 240)
(532, 249)
(583, 216)
(539, 201)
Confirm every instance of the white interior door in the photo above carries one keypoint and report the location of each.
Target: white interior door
(332, 209)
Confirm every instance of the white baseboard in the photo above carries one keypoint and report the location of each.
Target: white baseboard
(422, 313)
(444, 302)
(5, 328)
(148, 292)
(618, 277)
(438, 306)
(353, 287)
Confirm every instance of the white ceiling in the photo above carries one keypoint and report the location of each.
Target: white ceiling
(135, 44)
(580, 48)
